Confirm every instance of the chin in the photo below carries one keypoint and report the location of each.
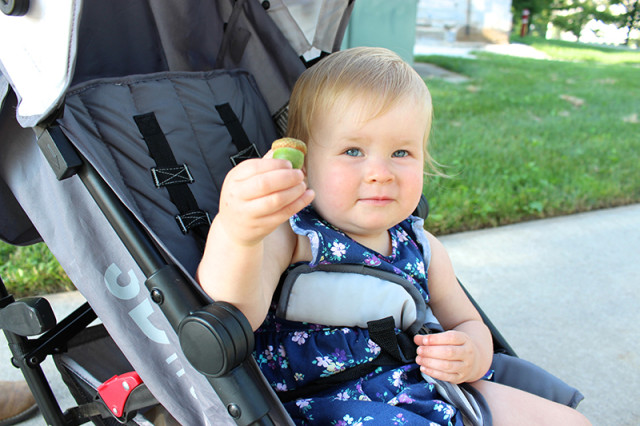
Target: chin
(378, 223)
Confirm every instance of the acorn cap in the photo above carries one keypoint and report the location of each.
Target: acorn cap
(290, 143)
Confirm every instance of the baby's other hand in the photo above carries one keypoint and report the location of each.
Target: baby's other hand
(448, 356)
(258, 195)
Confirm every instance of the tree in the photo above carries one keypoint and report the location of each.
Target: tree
(573, 15)
(630, 19)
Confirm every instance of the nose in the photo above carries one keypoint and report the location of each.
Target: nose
(378, 171)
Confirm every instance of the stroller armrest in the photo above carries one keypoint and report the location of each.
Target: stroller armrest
(214, 337)
(217, 339)
(224, 331)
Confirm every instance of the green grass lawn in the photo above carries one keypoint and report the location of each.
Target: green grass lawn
(523, 139)
(570, 51)
(527, 139)
(31, 270)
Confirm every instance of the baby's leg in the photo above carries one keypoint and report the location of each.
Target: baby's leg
(510, 406)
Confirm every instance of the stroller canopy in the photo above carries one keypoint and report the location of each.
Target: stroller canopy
(60, 43)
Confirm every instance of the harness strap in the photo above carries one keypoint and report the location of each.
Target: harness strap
(245, 148)
(324, 383)
(347, 375)
(396, 349)
(174, 177)
(399, 346)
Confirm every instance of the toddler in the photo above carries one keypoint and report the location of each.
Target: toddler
(366, 116)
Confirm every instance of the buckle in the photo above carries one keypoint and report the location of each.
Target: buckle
(163, 176)
(245, 154)
(115, 391)
(189, 220)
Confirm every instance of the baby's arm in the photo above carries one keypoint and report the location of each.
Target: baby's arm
(464, 352)
(250, 242)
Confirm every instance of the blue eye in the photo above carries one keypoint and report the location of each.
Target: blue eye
(401, 153)
(353, 152)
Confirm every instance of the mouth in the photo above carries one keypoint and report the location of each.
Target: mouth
(376, 201)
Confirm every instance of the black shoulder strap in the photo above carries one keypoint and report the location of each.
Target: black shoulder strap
(396, 349)
(245, 148)
(174, 177)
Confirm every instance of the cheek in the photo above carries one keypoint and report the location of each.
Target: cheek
(413, 186)
(334, 189)
(323, 175)
(329, 191)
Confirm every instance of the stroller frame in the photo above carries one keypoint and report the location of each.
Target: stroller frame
(228, 364)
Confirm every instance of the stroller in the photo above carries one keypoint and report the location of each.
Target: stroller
(119, 121)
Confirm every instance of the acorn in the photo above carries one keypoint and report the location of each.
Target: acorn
(290, 149)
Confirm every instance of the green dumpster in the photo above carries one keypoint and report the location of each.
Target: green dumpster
(384, 23)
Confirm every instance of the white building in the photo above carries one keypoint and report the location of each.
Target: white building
(465, 20)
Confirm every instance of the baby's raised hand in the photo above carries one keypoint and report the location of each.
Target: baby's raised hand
(448, 356)
(258, 195)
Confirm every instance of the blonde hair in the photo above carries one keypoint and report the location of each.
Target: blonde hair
(377, 74)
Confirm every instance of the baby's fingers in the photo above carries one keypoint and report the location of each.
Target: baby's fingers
(256, 166)
(444, 352)
(442, 362)
(450, 337)
(281, 203)
(255, 183)
(275, 182)
(447, 371)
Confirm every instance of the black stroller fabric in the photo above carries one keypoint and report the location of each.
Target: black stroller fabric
(100, 117)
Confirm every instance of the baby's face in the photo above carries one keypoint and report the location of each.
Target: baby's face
(367, 173)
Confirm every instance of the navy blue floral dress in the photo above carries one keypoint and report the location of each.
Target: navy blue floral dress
(294, 354)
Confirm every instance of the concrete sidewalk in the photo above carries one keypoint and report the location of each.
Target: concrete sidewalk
(564, 292)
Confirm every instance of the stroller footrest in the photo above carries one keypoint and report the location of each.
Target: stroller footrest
(116, 391)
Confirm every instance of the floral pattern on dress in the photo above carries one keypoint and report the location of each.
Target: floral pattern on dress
(396, 396)
(293, 354)
(329, 245)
